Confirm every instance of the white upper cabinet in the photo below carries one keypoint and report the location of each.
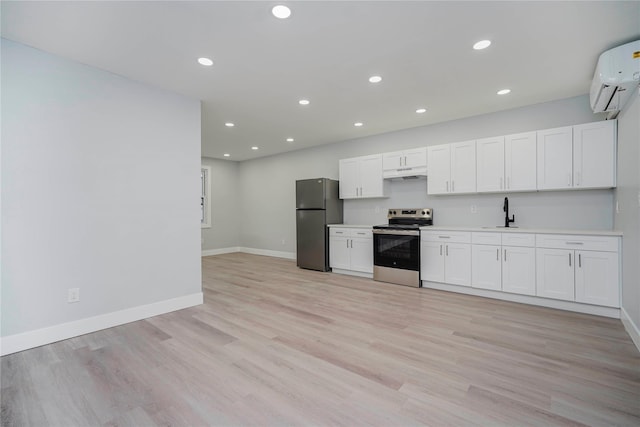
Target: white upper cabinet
(555, 158)
(405, 163)
(452, 168)
(594, 155)
(490, 164)
(439, 167)
(463, 167)
(581, 156)
(520, 162)
(361, 177)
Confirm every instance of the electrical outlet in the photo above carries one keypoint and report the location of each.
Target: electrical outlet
(73, 295)
(474, 209)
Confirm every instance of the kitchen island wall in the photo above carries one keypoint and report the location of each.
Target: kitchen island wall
(267, 197)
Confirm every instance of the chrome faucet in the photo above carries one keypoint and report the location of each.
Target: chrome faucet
(505, 208)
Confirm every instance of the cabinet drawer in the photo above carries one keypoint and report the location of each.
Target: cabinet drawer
(518, 239)
(351, 232)
(446, 236)
(482, 238)
(588, 243)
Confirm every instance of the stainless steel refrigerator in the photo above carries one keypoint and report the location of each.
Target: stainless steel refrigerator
(317, 204)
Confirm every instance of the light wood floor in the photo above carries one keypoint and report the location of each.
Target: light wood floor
(275, 345)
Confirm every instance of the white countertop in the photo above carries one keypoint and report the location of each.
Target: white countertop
(500, 229)
(525, 230)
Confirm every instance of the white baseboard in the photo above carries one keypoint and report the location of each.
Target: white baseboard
(630, 327)
(209, 252)
(526, 299)
(266, 252)
(26, 340)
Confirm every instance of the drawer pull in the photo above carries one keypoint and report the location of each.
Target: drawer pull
(444, 237)
(575, 243)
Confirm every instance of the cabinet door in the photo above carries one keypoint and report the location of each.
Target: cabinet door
(594, 155)
(463, 167)
(349, 182)
(432, 261)
(555, 273)
(415, 158)
(519, 270)
(339, 252)
(371, 181)
(555, 158)
(490, 164)
(520, 162)
(486, 268)
(597, 278)
(391, 161)
(457, 264)
(362, 254)
(439, 169)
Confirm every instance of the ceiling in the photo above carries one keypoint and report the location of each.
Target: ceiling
(325, 52)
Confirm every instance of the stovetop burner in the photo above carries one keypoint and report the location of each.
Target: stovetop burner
(408, 219)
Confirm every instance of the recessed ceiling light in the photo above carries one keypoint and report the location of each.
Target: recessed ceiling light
(226, 154)
(205, 61)
(482, 44)
(357, 124)
(254, 148)
(229, 124)
(303, 102)
(504, 91)
(375, 79)
(289, 139)
(421, 110)
(281, 11)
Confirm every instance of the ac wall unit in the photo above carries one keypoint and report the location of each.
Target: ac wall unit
(617, 75)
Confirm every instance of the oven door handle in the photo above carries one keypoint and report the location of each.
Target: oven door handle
(397, 232)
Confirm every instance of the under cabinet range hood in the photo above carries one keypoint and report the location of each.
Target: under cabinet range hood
(406, 173)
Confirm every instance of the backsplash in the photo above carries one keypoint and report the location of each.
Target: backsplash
(582, 210)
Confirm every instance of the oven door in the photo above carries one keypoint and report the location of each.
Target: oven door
(396, 249)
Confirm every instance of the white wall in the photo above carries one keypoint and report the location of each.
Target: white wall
(223, 233)
(628, 218)
(266, 185)
(100, 179)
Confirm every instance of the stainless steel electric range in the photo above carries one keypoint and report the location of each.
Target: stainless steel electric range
(396, 246)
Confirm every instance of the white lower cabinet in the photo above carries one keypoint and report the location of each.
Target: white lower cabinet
(590, 274)
(581, 269)
(519, 270)
(446, 257)
(555, 273)
(351, 249)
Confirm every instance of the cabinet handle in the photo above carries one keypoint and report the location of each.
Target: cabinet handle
(440, 250)
(569, 260)
(405, 160)
(575, 243)
(447, 247)
(580, 260)
(447, 186)
(453, 186)
(497, 254)
(505, 254)
(444, 237)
